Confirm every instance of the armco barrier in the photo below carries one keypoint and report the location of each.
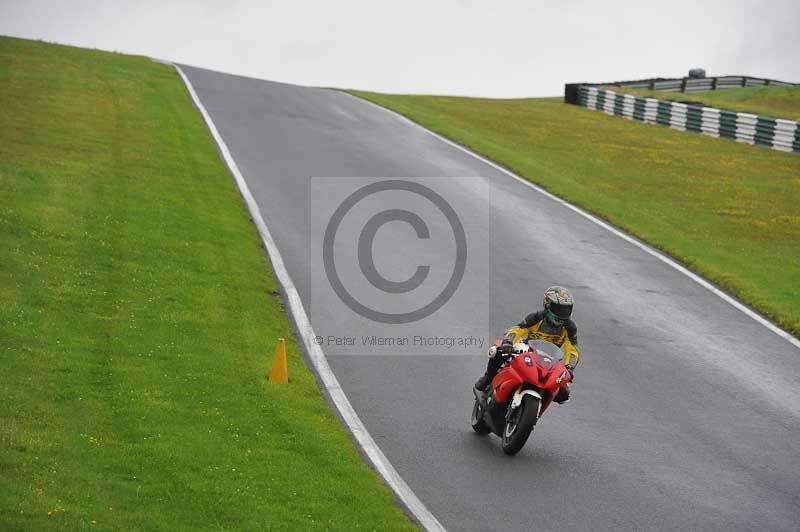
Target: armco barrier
(775, 133)
(685, 84)
(698, 84)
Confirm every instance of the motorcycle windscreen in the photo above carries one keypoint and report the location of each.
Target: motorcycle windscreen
(547, 354)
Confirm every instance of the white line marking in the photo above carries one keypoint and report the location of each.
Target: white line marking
(644, 247)
(317, 356)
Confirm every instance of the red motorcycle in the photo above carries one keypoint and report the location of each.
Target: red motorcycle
(520, 393)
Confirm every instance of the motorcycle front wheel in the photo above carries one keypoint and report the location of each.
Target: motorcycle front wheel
(519, 428)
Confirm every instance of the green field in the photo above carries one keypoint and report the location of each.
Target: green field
(727, 210)
(138, 319)
(778, 102)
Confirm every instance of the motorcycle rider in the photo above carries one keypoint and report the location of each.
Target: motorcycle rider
(552, 324)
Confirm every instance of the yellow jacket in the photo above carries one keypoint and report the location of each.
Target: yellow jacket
(534, 327)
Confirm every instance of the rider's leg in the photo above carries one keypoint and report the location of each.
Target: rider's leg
(491, 370)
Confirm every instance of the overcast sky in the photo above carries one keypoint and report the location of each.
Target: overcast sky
(498, 48)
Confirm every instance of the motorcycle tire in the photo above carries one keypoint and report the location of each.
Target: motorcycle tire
(477, 421)
(516, 434)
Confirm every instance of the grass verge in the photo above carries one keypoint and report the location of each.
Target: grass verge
(777, 102)
(728, 211)
(138, 320)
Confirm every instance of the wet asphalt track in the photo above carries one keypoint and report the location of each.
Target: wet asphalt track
(686, 412)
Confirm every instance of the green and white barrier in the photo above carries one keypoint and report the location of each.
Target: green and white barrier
(775, 133)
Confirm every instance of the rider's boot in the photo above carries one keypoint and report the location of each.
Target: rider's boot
(491, 370)
(562, 396)
(483, 382)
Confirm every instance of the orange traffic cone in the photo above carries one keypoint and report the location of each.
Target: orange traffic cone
(279, 371)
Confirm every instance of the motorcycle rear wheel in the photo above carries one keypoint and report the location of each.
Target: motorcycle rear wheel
(477, 421)
(517, 431)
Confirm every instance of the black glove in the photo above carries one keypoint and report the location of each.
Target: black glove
(571, 370)
(506, 348)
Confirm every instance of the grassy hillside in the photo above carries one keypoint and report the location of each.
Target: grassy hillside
(138, 319)
(779, 102)
(727, 210)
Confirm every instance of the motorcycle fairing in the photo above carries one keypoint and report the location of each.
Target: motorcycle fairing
(533, 368)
